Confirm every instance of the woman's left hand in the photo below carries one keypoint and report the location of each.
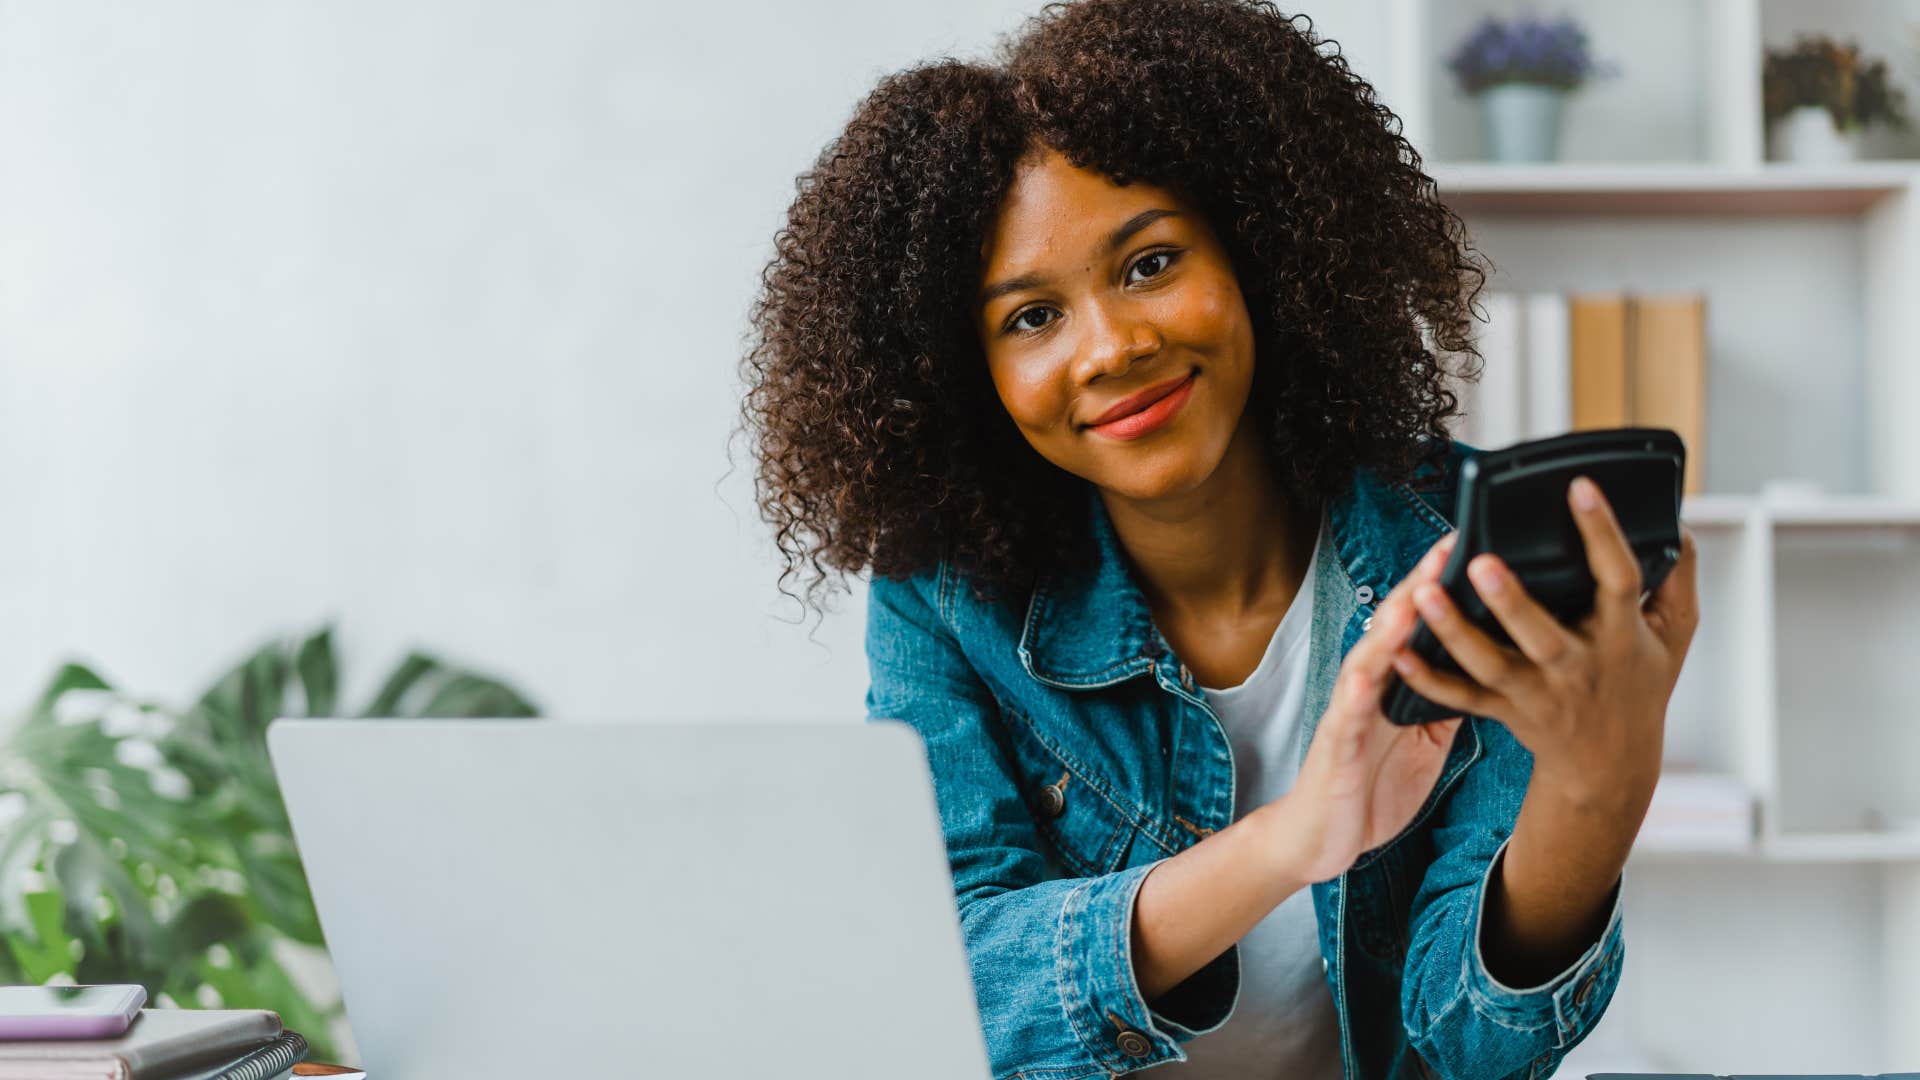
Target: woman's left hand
(1589, 702)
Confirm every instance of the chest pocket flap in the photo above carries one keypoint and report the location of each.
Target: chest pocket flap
(1076, 813)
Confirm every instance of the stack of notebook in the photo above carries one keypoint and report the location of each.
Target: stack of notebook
(166, 1044)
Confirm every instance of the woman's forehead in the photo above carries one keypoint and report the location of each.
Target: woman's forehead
(1055, 210)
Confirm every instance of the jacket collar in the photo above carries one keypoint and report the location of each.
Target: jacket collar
(1090, 626)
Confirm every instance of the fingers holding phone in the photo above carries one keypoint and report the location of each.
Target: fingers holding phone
(1591, 706)
(1364, 778)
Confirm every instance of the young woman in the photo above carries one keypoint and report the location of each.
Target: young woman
(1115, 362)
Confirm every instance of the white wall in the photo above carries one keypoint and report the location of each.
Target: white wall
(424, 317)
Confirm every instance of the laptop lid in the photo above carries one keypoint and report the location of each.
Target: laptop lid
(515, 898)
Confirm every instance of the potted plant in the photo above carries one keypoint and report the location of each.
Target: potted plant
(1521, 70)
(146, 843)
(1820, 95)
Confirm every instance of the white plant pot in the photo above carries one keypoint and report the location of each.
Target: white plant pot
(1521, 121)
(1807, 135)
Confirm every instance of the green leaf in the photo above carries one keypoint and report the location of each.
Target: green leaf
(415, 667)
(473, 696)
(48, 951)
(318, 676)
(207, 920)
(238, 709)
(11, 973)
(69, 677)
(20, 849)
(279, 886)
(81, 871)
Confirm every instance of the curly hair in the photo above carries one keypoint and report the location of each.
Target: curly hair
(881, 442)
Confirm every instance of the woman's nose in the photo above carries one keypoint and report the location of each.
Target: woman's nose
(1113, 341)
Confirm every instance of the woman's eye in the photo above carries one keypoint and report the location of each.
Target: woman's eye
(1154, 262)
(1150, 265)
(1020, 322)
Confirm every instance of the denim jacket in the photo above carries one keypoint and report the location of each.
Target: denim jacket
(1071, 751)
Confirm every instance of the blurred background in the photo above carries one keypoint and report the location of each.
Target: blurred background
(376, 358)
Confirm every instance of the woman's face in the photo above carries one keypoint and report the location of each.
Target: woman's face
(1097, 300)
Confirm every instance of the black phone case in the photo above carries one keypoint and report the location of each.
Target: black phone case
(1513, 502)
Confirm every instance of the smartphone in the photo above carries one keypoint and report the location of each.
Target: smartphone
(68, 1012)
(1513, 503)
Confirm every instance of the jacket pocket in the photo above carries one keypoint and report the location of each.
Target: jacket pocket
(1075, 812)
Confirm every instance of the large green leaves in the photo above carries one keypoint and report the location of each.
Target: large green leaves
(145, 844)
(422, 686)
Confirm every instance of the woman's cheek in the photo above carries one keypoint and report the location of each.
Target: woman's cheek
(1034, 390)
(1204, 309)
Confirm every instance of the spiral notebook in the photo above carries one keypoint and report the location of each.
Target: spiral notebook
(274, 1061)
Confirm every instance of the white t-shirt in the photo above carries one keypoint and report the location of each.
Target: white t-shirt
(1284, 1024)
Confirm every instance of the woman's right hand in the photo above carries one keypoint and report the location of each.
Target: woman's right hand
(1364, 777)
(1362, 781)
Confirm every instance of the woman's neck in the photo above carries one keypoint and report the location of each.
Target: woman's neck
(1233, 546)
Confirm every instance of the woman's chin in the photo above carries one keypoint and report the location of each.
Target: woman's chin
(1156, 476)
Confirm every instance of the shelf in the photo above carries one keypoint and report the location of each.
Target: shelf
(1862, 510)
(1801, 679)
(1681, 850)
(1557, 189)
(1843, 847)
(1865, 511)
(1720, 510)
(1836, 847)
(1845, 638)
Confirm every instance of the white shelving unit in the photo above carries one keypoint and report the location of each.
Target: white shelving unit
(1798, 951)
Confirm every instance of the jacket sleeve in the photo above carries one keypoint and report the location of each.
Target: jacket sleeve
(1050, 956)
(1460, 1019)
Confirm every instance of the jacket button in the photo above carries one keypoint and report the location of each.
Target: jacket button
(1152, 650)
(1323, 965)
(1364, 594)
(1367, 623)
(1133, 1044)
(1053, 801)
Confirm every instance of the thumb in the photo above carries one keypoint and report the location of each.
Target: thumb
(1675, 609)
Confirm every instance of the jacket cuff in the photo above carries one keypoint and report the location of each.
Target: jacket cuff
(1572, 1001)
(1093, 955)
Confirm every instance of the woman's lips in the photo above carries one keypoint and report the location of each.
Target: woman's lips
(1151, 418)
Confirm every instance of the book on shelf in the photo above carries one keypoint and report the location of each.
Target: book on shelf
(1598, 351)
(1668, 377)
(176, 1044)
(1549, 342)
(1525, 388)
(1553, 363)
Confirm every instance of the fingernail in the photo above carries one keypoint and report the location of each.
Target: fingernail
(1486, 575)
(1427, 597)
(1586, 495)
(1402, 663)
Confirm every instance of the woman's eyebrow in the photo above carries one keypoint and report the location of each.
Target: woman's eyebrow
(1114, 239)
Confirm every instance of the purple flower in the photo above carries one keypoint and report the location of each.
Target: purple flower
(1526, 49)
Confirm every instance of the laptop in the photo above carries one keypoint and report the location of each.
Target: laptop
(537, 898)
